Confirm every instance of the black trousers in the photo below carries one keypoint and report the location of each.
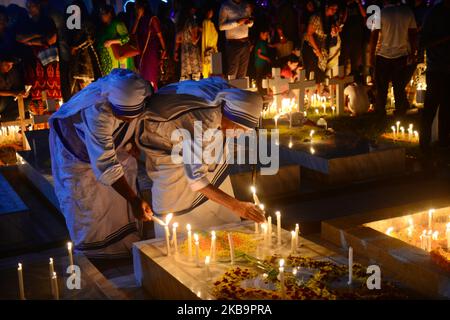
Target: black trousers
(436, 97)
(311, 63)
(352, 49)
(387, 70)
(238, 56)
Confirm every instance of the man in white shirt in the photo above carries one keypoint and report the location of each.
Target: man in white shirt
(393, 45)
(235, 19)
(357, 98)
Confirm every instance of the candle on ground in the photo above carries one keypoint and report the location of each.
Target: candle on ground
(207, 261)
(447, 234)
(55, 286)
(51, 269)
(69, 250)
(402, 130)
(188, 228)
(350, 265)
(393, 132)
(213, 246)
(231, 243)
(264, 231)
(269, 230)
(398, 126)
(283, 288)
(197, 249)
(430, 218)
(278, 214)
(292, 241)
(20, 277)
(174, 237)
(167, 232)
(297, 234)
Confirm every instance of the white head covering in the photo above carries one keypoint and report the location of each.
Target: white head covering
(126, 91)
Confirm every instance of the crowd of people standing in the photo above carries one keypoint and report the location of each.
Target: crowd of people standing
(173, 41)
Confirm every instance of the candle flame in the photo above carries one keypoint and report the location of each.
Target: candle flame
(207, 260)
(253, 189)
(168, 218)
(293, 234)
(69, 245)
(196, 237)
(281, 263)
(435, 235)
(294, 271)
(448, 226)
(51, 261)
(278, 214)
(54, 275)
(19, 266)
(175, 225)
(389, 231)
(262, 207)
(188, 227)
(213, 235)
(311, 133)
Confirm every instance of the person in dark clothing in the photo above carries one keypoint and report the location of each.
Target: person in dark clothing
(352, 35)
(11, 85)
(435, 38)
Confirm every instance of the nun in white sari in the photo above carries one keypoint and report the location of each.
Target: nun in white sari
(94, 173)
(183, 188)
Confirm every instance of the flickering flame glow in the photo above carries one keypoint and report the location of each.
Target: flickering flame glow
(168, 218)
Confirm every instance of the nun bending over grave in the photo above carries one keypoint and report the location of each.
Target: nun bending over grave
(91, 144)
(184, 180)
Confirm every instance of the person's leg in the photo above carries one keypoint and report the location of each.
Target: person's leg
(232, 59)
(243, 61)
(399, 69)
(429, 111)
(382, 78)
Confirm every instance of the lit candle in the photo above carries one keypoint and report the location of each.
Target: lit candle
(292, 241)
(51, 270)
(197, 253)
(291, 143)
(297, 234)
(416, 135)
(188, 227)
(167, 232)
(175, 238)
(207, 261)
(447, 234)
(333, 108)
(350, 265)
(294, 271)
(393, 132)
(398, 126)
(255, 197)
(231, 243)
(264, 231)
(69, 250)
(20, 276)
(283, 289)
(311, 134)
(402, 129)
(276, 120)
(278, 214)
(213, 246)
(55, 286)
(269, 230)
(430, 218)
(324, 108)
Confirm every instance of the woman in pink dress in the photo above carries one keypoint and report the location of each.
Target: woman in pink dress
(150, 40)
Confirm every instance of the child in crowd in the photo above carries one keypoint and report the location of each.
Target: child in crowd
(289, 71)
(262, 60)
(357, 97)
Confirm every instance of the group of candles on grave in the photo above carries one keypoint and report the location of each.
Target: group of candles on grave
(9, 135)
(266, 228)
(193, 253)
(52, 275)
(398, 132)
(428, 236)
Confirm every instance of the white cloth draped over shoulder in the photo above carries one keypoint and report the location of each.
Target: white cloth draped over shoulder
(88, 153)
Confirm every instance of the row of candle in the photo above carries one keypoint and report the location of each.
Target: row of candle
(266, 228)
(193, 243)
(9, 134)
(52, 275)
(398, 131)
